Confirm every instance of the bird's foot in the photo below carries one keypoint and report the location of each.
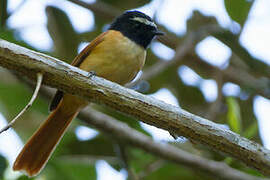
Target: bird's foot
(91, 74)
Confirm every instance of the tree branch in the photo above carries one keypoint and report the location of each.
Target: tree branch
(124, 134)
(146, 108)
(169, 152)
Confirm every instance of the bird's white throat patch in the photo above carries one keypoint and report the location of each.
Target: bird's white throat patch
(144, 21)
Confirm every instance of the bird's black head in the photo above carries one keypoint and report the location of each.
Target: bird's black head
(137, 26)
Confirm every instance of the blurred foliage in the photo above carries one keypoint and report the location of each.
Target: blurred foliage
(171, 171)
(251, 131)
(238, 9)
(3, 13)
(123, 4)
(69, 170)
(234, 115)
(3, 166)
(75, 159)
(59, 28)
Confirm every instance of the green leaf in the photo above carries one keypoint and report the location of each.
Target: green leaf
(251, 131)
(98, 146)
(234, 115)
(238, 9)
(3, 166)
(16, 96)
(228, 160)
(70, 170)
(60, 27)
(138, 159)
(3, 13)
(24, 177)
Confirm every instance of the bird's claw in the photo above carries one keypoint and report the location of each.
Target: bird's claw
(91, 74)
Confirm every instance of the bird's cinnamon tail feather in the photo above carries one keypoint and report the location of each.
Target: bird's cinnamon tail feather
(38, 149)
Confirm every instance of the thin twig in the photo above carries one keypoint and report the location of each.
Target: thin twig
(183, 49)
(180, 52)
(150, 168)
(39, 81)
(159, 67)
(121, 152)
(215, 107)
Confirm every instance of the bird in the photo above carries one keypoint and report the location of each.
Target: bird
(117, 54)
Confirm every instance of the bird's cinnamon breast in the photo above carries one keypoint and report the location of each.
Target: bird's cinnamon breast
(116, 58)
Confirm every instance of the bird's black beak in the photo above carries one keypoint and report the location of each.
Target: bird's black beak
(158, 32)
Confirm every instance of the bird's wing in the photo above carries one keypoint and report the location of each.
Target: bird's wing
(87, 50)
(76, 62)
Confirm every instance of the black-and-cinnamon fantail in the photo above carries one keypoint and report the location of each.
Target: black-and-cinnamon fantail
(116, 55)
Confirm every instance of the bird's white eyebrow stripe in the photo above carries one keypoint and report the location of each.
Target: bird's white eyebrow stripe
(144, 21)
